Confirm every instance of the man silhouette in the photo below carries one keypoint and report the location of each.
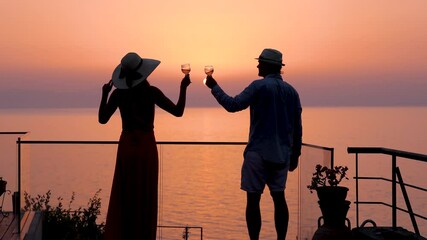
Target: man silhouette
(275, 138)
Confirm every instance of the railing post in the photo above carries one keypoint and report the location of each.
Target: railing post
(18, 202)
(357, 189)
(186, 233)
(408, 203)
(393, 192)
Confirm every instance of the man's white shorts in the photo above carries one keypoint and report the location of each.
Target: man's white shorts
(256, 174)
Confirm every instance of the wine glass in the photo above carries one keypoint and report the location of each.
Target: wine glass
(185, 68)
(209, 69)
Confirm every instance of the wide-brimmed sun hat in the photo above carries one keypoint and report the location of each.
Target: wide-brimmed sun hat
(132, 65)
(272, 56)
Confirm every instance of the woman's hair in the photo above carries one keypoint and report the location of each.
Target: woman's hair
(143, 84)
(131, 76)
(129, 82)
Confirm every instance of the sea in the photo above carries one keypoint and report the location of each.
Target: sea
(199, 184)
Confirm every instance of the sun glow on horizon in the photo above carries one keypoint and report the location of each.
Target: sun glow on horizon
(320, 42)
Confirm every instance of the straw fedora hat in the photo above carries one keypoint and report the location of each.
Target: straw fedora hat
(132, 65)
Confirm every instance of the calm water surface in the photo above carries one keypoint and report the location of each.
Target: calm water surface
(199, 185)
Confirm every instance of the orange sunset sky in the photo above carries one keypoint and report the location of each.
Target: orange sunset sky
(59, 53)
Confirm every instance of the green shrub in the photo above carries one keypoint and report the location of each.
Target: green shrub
(62, 223)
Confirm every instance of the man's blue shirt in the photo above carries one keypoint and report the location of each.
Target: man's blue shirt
(275, 117)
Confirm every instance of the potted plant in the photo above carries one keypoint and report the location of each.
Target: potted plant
(332, 197)
(326, 180)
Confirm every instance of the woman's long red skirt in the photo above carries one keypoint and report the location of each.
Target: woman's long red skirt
(132, 211)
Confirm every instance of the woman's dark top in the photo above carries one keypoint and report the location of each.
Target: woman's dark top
(137, 105)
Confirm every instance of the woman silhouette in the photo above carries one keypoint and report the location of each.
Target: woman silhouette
(132, 211)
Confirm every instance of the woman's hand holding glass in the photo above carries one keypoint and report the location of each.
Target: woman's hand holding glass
(185, 68)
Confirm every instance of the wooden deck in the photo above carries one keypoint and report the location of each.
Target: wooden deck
(30, 228)
(9, 227)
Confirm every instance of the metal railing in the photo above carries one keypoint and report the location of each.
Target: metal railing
(20, 142)
(396, 178)
(13, 133)
(13, 190)
(186, 229)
